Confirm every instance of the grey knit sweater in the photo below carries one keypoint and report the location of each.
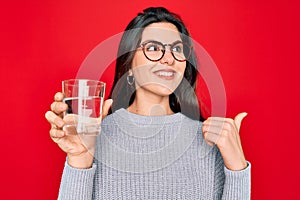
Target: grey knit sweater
(154, 157)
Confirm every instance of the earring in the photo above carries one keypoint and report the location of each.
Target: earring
(130, 79)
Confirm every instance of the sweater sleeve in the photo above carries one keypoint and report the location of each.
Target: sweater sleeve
(231, 185)
(237, 184)
(76, 183)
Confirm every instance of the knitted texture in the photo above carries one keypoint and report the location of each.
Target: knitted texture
(154, 157)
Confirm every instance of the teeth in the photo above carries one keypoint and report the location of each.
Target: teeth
(165, 73)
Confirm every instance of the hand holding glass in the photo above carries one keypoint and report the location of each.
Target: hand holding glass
(84, 99)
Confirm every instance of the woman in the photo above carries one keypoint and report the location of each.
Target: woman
(153, 145)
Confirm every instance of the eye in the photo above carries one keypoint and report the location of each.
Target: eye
(153, 47)
(178, 48)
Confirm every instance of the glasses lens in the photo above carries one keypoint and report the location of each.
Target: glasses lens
(181, 51)
(153, 51)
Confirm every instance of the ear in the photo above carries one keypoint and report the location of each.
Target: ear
(130, 72)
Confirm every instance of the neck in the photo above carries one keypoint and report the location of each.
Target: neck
(151, 105)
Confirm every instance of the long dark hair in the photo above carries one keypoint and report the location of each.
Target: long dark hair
(183, 99)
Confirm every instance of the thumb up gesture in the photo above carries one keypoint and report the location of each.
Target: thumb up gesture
(224, 132)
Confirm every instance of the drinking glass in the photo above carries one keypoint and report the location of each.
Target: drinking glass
(84, 99)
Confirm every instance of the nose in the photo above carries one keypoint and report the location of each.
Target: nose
(167, 58)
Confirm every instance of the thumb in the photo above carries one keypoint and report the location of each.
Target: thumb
(238, 119)
(106, 105)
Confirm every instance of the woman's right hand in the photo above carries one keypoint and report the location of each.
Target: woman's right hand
(80, 154)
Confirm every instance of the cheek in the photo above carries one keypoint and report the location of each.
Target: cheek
(142, 75)
(140, 68)
(181, 69)
(138, 59)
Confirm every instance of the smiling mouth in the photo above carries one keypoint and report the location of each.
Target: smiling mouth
(168, 75)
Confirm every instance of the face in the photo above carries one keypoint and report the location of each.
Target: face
(163, 76)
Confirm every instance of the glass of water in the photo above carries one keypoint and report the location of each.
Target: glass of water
(84, 99)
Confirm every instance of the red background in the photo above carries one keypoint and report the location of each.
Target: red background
(254, 44)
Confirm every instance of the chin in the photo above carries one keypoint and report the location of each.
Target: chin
(159, 90)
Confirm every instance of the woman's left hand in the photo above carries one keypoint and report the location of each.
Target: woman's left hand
(224, 132)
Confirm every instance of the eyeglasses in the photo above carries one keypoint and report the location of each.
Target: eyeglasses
(154, 50)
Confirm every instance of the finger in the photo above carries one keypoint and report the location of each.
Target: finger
(216, 129)
(211, 133)
(106, 106)
(224, 123)
(58, 107)
(71, 122)
(70, 129)
(238, 119)
(71, 119)
(219, 120)
(58, 96)
(210, 143)
(211, 138)
(55, 133)
(54, 119)
(54, 126)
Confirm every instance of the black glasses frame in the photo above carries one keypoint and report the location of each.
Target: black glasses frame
(143, 45)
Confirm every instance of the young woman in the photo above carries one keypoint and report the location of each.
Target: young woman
(153, 144)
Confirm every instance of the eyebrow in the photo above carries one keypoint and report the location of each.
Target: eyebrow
(177, 41)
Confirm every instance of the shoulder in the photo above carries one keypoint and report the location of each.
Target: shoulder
(203, 149)
(111, 118)
(192, 122)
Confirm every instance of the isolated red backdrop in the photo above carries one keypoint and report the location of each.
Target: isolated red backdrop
(254, 44)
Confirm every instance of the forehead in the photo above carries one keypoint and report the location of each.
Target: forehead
(163, 32)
